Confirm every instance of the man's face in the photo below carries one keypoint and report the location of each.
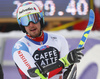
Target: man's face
(33, 29)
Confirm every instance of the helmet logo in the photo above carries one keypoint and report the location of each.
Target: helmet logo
(27, 10)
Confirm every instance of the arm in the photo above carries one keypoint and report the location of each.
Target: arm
(22, 57)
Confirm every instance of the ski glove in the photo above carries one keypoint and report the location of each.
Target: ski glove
(73, 56)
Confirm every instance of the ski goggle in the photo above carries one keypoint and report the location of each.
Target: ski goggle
(25, 20)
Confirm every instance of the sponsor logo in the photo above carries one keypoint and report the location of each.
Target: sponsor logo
(17, 46)
(24, 59)
(28, 9)
(46, 55)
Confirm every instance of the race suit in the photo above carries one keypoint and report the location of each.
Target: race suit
(45, 49)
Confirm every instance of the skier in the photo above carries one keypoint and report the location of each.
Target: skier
(39, 46)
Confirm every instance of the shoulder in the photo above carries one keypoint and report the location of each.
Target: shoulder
(20, 42)
(54, 35)
(20, 45)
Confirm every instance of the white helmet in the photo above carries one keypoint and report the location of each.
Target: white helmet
(29, 12)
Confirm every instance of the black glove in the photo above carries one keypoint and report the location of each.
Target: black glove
(75, 55)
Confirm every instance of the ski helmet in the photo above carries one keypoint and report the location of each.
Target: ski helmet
(27, 12)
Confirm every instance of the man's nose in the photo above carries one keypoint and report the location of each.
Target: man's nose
(31, 24)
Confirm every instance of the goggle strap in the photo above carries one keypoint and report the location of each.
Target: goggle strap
(41, 14)
(18, 21)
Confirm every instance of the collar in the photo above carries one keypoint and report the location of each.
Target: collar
(38, 39)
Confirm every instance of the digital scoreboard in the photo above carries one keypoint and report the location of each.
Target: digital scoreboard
(51, 8)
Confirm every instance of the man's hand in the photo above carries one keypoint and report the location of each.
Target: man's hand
(73, 56)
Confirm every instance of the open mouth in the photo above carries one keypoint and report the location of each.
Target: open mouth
(33, 29)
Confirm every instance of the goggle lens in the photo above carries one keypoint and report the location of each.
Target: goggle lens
(35, 18)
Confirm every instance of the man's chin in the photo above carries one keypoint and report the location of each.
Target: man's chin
(35, 35)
